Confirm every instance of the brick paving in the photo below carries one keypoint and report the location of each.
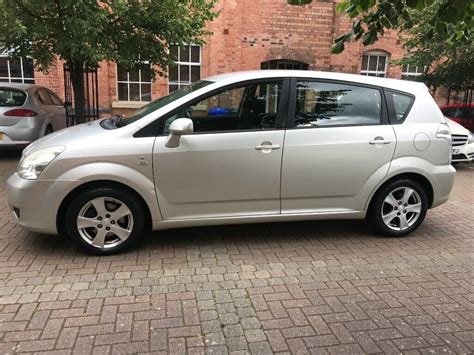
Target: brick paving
(312, 287)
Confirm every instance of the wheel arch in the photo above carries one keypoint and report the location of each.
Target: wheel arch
(60, 216)
(419, 178)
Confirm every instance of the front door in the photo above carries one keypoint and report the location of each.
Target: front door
(230, 165)
(338, 148)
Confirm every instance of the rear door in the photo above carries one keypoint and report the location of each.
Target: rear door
(59, 111)
(338, 147)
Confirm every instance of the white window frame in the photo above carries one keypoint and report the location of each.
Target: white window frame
(375, 72)
(406, 75)
(190, 64)
(10, 78)
(128, 82)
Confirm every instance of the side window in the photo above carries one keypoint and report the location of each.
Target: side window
(43, 97)
(399, 105)
(54, 99)
(333, 104)
(450, 112)
(249, 107)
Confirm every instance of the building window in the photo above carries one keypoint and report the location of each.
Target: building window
(133, 85)
(412, 72)
(16, 70)
(374, 64)
(284, 64)
(186, 68)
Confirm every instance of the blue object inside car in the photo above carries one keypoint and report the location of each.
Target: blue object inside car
(218, 111)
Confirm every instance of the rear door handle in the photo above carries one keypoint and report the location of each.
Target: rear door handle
(379, 140)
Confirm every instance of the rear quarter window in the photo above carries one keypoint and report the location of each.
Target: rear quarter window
(399, 105)
(11, 97)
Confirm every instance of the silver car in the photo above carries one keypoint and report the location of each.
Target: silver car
(259, 146)
(28, 112)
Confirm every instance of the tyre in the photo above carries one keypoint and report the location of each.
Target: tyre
(398, 208)
(48, 130)
(104, 221)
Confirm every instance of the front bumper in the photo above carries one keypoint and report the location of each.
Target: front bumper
(463, 153)
(35, 203)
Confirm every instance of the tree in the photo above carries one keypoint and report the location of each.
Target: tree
(85, 32)
(445, 63)
(451, 20)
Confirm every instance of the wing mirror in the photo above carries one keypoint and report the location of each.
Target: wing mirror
(178, 127)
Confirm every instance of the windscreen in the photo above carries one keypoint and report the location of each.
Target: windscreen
(165, 100)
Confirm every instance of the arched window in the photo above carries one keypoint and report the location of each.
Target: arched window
(284, 64)
(374, 63)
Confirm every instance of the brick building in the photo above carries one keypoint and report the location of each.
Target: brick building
(247, 35)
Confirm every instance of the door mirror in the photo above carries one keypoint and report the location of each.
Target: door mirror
(177, 128)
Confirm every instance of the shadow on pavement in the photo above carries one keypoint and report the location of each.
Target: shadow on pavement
(10, 154)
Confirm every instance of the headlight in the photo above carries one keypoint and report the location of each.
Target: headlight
(32, 165)
(470, 138)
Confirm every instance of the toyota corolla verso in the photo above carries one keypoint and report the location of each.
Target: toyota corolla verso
(259, 146)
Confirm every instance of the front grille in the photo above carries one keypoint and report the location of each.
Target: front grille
(458, 157)
(459, 139)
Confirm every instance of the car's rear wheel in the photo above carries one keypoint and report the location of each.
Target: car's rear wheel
(48, 130)
(398, 208)
(105, 221)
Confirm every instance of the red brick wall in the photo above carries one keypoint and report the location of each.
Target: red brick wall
(248, 32)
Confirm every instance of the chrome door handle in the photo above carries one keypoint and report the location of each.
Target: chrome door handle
(267, 145)
(379, 140)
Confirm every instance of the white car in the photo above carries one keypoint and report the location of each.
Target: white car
(463, 143)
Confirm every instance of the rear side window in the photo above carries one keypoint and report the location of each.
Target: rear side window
(56, 100)
(11, 97)
(399, 105)
(43, 97)
(322, 104)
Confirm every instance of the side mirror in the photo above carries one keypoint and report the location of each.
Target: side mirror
(178, 127)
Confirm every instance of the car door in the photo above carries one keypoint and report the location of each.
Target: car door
(230, 165)
(58, 111)
(47, 109)
(338, 147)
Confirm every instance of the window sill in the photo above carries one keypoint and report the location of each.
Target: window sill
(129, 104)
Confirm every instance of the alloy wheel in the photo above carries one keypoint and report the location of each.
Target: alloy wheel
(105, 222)
(401, 208)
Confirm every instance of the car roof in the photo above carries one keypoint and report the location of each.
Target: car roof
(457, 106)
(19, 86)
(396, 84)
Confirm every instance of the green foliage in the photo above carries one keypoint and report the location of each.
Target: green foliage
(90, 31)
(447, 63)
(452, 20)
(85, 32)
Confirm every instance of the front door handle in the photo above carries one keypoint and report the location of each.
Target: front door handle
(267, 147)
(379, 140)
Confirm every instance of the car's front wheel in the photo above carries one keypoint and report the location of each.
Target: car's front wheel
(398, 208)
(105, 220)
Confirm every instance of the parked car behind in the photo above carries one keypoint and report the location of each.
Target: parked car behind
(462, 114)
(463, 143)
(283, 146)
(28, 112)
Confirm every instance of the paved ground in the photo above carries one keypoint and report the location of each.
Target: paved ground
(321, 287)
